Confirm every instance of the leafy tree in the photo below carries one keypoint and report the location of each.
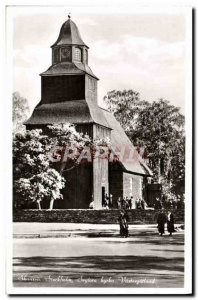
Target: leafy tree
(46, 185)
(70, 144)
(157, 131)
(20, 110)
(34, 177)
(126, 106)
(39, 161)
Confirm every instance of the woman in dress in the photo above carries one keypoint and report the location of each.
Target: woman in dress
(123, 220)
(161, 220)
(170, 223)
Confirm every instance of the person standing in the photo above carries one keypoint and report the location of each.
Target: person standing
(123, 221)
(139, 205)
(143, 204)
(120, 220)
(127, 203)
(124, 203)
(130, 202)
(119, 203)
(106, 199)
(170, 223)
(161, 220)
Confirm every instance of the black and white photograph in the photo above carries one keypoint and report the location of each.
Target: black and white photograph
(101, 195)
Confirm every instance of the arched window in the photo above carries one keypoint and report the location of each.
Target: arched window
(78, 54)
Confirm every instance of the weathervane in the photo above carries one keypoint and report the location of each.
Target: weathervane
(69, 15)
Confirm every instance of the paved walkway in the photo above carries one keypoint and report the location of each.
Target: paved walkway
(44, 230)
(143, 260)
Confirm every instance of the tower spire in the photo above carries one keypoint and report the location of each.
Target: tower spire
(69, 34)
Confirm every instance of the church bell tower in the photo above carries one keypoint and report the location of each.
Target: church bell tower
(69, 94)
(65, 80)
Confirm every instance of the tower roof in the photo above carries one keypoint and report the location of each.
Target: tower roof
(66, 68)
(69, 35)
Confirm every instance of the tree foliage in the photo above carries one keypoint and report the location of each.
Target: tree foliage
(126, 106)
(20, 110)
(34, 177)
(39, 161)
(157, 131)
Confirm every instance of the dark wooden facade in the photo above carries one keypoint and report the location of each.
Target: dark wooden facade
(62, 88)
(78, 189)
(152, 192)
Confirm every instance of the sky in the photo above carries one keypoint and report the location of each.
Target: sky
(143, 52)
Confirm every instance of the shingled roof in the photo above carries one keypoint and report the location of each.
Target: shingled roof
(69, 35)
(76, 112)
(68, 68)
(120, 139)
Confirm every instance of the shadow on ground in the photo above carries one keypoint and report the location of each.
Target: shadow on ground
(104, 262)
(166, 270)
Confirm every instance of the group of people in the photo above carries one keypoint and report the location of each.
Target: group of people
(162, 219)
(171, 202)
(128, 203)
(123, 203)
(107, 202)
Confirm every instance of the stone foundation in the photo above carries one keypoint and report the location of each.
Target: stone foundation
(91, 216)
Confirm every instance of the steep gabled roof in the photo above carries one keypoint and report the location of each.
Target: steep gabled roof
(119, 139)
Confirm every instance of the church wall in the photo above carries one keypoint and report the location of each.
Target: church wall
(78, 190)
(124, 184)
(115, 186)
(100, 170)
(132, 186)
(62, 88)
(128, 185)
(100, 180)
(115, 182)
(85, 129)
(101, 132)
(91, 88)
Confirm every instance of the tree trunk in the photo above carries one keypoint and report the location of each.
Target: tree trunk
(51, 204)
(38, 204)
(159, 171)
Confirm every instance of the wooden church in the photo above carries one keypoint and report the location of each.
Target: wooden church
(69, 94)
